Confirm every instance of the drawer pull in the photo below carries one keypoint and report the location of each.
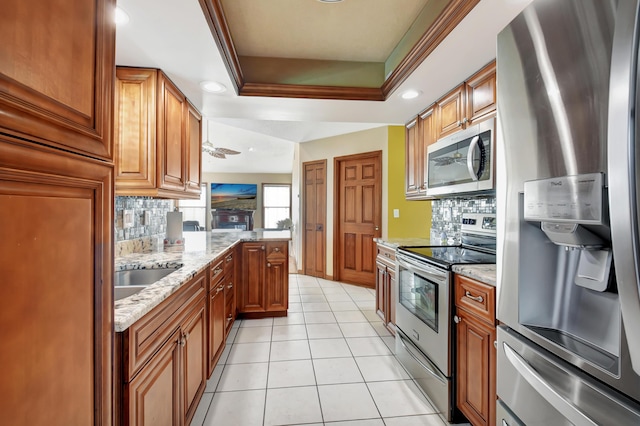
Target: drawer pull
(230, 286)
(277, 249)
(229, 258)
(478, 299)
(219, 289)
(268, 265)
(217, 271)
(262, 248)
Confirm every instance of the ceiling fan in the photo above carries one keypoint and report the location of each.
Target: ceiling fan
(216, 152)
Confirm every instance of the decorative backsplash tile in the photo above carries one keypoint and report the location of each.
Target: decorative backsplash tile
(138, 217)
(446, 214)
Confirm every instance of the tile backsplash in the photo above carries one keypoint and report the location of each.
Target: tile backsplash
(139, 217)
(446, 214)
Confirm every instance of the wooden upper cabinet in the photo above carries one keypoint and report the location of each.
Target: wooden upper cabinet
(481, 94)
(56, 87)
(450, 111)
(157, 137)
(194, 149)
(412, 153)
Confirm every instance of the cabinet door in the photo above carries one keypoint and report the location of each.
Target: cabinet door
(450, 112)
(481, 94)
(56, 305)
(57, 73)
(412, 154)
(251, 290)
(194, 359)
(391, 322)
(135, 128)
(194, 149)
(171, 136)
(381, 296)
(476, 370)
(154, 394)
(217, 324)
(277, 289)
(427, 137)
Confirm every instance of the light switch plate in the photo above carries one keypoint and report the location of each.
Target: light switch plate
(147, 218)
(396, 212)
(127, 219)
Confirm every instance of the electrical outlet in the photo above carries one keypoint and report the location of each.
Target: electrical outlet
(127, 219)
(396, 212)
(146, 220)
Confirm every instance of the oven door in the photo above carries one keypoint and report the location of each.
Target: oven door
(423, 309)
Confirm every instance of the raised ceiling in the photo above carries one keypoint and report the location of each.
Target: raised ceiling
(354, 49)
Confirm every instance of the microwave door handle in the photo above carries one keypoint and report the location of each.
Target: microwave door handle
(472, 147)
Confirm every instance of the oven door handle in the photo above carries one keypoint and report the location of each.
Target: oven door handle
(422, 269)
(431, 368)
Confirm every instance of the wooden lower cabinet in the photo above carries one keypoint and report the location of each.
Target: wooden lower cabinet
(217, 320)
(476, 354)
(386, 286)
(153, 394)
(264, 287)
(163, 357)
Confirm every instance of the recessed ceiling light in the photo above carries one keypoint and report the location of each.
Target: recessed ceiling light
(212, 86)
(251, 149)
(121, 16)
(410, 94)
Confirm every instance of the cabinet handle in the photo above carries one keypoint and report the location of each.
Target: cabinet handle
(262, 248)
(495, 344)
(268, 265)
(220, 289)
(217, 271)
(457, 319)
(277, 249)
(229, 318)
(479, 299)
(229, 258)
(464, 120)
(459, 123)
(230, 286)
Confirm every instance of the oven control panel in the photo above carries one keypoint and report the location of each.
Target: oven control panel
(483, 222)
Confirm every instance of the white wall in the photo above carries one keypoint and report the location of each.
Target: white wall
(329, 148)
(257, 178)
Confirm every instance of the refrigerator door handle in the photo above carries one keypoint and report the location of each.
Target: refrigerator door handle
(622, 169)
(560, 403)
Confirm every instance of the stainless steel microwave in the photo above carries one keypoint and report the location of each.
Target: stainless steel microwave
(462, 163)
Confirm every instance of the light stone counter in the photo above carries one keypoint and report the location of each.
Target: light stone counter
(394, 243)
(483, 273)
(201, 248)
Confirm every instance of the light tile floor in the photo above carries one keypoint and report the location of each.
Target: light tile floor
(329, 362)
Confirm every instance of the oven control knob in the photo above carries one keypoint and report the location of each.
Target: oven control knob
(456, 319)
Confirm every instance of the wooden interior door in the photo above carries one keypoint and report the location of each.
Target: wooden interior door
(358, 216)
(315, 218)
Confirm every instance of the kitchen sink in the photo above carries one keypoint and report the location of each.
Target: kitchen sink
(131, 281)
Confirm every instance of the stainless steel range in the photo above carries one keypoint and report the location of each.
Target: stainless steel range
(424, 308)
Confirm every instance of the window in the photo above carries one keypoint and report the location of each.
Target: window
(195, 210)
(276, 205)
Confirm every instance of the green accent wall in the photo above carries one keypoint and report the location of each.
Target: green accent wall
(415, 216)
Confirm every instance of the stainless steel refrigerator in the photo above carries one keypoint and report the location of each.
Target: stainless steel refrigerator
(567, 195)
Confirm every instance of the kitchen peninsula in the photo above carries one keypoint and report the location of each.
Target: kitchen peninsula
(170, 334)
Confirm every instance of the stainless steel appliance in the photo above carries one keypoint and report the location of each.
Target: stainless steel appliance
(462, 163)
(424, 308)
(568, 215)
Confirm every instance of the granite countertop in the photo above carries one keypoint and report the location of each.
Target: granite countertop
(201, 248)
(484, 273)
(394, 243)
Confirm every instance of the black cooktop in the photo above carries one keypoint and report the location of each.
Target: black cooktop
(446, 256)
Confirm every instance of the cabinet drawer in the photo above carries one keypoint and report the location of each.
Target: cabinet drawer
(476, 298)
(228, 262)
(229, 290)
(278, 248)
(145, 337)
(217, 273)
(387, 256)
